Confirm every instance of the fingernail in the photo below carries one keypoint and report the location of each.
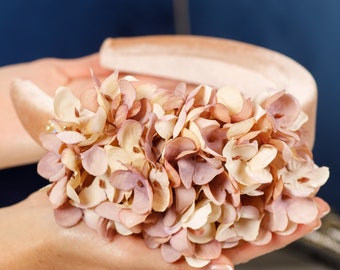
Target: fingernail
(318, 226)
(326, 212)
(221, 267)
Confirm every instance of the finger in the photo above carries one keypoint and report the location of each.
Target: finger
(80, 67)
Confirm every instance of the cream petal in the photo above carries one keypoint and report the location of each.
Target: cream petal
(117, 158)
(202, 235)
(90, 218)
(224, 232)
(94, 160)
(231, 98)
(165, 126)
(196, 263)
(161, 190)
(263, 238)
(70, 159)
(248, 229)
(66, 104)
(263, 158)
(97, 123)
(129, 134)
(122, 230)
(239, 129)
(109, 86)
(200, 215)
(92, 195)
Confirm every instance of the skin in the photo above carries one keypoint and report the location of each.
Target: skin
(30, 238)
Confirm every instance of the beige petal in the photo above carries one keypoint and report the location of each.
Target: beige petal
(231, 98)
(160, 188)
(196, 263)
(65, 105)
(248, 229)
(239, 129)
(109, 86)
(97, 123)
(92, 195)
(263, 158)
(199, 216)
(203, 235)
(117, 158)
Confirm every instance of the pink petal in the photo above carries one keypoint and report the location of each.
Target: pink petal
(49, 167)
(184, 197)
(208, 251)
(71, 137)
(170, 254)
(58, 195)
(302, 210)
(180, 242)
(108, 210)
(67, 215)
(94, 160)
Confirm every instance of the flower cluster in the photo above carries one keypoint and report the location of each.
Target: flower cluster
(193, 170)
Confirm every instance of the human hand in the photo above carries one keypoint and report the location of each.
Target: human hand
(32, 240)
(47, 74)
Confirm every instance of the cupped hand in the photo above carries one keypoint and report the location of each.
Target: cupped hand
(30, 237)
(17, 147)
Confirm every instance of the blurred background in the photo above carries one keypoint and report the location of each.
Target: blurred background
(305, 30)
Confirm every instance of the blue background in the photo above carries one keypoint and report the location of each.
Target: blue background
(305, 30)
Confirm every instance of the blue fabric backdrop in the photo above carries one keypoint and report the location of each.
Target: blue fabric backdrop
(305, 30)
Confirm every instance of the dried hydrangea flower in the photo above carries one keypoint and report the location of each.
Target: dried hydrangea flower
(193, 171)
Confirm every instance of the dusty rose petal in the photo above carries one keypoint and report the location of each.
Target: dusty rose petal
(67, 215)
(50, 167)
(208, 251)
(302, 210)
(170, 254)
(130, 218)
(94, 160)
(108, 210)
(105, 229)
(180, 242)
(88, 99)
(184, 198)
(57, 195)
